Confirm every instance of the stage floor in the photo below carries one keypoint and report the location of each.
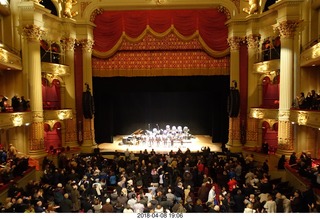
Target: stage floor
(195, 144)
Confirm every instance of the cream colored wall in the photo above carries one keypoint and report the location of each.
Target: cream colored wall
(307, 139)
(11, 84)
(310, 78)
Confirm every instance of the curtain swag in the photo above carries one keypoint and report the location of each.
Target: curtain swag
(207, 25)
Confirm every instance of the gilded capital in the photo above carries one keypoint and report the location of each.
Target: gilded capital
(287, 28)
(68, 43)
(234, 42)
(86, 44)
(32, 32)
(253, 41)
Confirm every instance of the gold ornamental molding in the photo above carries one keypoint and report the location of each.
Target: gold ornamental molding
(267, 66)
(261, 113)
(300, 117)
(10, 120)
(62, 114)
(9, 60)
(55, 69)
(307, 118)
(311, 56)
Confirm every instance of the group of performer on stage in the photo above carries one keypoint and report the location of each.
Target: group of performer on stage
(160, 137)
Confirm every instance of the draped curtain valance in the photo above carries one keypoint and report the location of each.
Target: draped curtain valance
(207, 25)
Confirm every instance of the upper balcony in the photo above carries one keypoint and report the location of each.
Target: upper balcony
(61, 114)
(55, 69)
(309, 118)
(14, 119)
(9, 59)
(311, 55)
(263, 113)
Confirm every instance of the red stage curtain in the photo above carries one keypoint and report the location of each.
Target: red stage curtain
(206, 24)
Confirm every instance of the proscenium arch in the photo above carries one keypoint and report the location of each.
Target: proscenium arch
(152, 5)
(89, 12)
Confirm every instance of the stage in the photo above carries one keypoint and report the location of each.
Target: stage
(194, 144)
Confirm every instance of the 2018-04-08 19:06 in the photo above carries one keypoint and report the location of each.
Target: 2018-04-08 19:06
(160, 215)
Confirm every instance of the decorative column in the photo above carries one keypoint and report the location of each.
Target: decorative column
(70, 98)
(31, 37)
(234, 141)
(88, 124)
(253, 92)
(285, 130)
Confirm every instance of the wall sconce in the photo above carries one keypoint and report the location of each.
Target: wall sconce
(17, 119)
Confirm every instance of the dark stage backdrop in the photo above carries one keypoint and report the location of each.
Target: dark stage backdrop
(126, 104)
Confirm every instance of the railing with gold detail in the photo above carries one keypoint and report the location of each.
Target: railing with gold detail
(61, 114)
(305, 117)
(262, 113)
(10, 120)
(301, 117)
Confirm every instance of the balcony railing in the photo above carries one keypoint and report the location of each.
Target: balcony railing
(15, 119)
(301, 117)
(55, 69)
(61, 114)
(9, 59)
(262, 113)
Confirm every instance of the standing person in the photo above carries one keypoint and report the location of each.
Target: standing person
(66, 204)
(281, 162)
(232, 184)
(293, 159)
(75, 198)
(178, 192)
(270, 206)
(265, 147)
(212, 196)
(295, 201)
(107, 207)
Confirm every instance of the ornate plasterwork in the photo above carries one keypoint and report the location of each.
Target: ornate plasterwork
(83, 6)
(10, 60)
(287, 28)
(234, 42)
(285, 136)
(237, 4)
(224, 10)
(253, 41)
(303, 118)
(68, 43)
(33, 32)
(36, 136)
(37, 115)
(95, 13)
(53, 70)
(284, 115)
(86, 44)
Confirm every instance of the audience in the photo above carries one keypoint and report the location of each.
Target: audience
(82, 183)
(309, 102)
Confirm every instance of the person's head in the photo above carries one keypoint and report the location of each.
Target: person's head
(198, 202)
(296, 193)
(249, 205)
